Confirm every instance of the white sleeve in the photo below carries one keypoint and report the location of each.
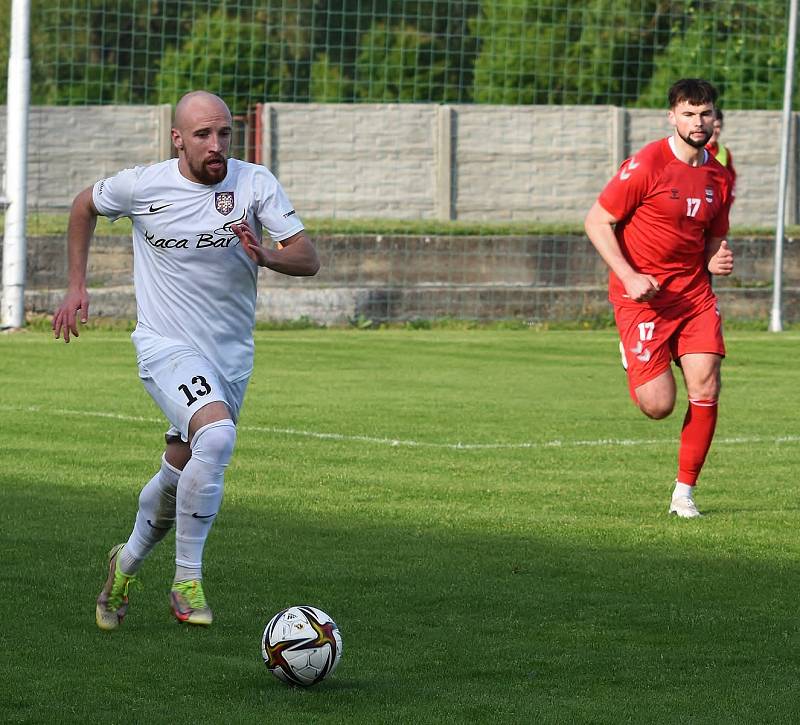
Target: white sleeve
(274, 210)
(113, 196)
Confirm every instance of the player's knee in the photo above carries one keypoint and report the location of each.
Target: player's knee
(707, 390)
(657, 409)
(213, 443)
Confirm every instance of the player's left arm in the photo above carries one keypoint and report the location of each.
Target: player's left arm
(719, 256)
(296, 256)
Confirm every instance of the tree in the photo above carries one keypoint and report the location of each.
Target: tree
(420, 50)
(328, 84)
(612, 60)
(94, 54)
(548, 51)
(402, 64)
(742, 51)
(620, 52)
(42, 82)
(241, 59)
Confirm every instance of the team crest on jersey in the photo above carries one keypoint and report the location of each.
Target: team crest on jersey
(709, 195)
(223, 201)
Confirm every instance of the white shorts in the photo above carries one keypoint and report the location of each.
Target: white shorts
(181, 381)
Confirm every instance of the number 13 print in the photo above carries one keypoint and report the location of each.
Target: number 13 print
(192, 396)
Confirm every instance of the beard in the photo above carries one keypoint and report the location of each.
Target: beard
(698, 143)
(209, 175)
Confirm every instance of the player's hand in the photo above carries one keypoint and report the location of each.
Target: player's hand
(722, 262)
(249, 242)
(75, 305)
(253, 248)
(641, 287)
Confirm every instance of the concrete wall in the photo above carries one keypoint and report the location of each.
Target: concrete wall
(414, 161)
(520, 163)
(70, 148)
(355, 161)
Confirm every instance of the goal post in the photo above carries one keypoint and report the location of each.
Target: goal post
(776, 313)
(16, 167)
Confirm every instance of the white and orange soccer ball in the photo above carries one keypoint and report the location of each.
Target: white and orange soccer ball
(301, 645)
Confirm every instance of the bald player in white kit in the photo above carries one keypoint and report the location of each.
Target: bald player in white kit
(197, 240)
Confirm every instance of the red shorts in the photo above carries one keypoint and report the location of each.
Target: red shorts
(652, 339)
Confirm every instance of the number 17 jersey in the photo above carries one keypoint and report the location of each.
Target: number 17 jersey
(666, 211)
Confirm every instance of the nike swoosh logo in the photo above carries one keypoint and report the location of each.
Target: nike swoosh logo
(198, 516)
(155, 209)
(160, 528)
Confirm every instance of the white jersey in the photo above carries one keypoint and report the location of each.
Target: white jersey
(194, 282)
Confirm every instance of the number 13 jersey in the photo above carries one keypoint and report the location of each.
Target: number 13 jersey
(194, 282)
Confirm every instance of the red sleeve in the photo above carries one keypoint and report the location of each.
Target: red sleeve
(624, 193)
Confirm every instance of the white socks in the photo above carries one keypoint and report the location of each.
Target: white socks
(154, 519)
(682, 490)
(199, 495)
(189, 499)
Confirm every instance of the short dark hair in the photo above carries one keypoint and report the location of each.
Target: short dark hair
(718, 115)
(692, 90)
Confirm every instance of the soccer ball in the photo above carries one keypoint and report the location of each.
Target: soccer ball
(301, 645)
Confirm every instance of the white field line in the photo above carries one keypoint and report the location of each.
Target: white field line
(399, 442)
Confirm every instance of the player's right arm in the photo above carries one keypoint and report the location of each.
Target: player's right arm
(82, 222)
(599, 226)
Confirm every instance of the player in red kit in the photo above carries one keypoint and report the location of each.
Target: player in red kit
(660, 226)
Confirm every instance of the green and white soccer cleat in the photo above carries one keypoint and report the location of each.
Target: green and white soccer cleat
(189, 603)
(112, 603)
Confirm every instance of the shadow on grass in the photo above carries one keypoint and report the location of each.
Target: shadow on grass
(438, 625)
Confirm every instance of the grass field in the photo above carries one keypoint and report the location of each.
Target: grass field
(483, 512)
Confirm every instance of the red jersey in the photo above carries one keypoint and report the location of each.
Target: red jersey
(666, 210)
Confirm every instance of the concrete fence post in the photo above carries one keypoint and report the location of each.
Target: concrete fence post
(791, 187)
(443, 158)
(165, 131)
(268, 155)
(619, 145)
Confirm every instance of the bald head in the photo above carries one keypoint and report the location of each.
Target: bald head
(198, 103)
(202, 135)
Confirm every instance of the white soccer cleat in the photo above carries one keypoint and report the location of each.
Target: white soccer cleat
(684, 507)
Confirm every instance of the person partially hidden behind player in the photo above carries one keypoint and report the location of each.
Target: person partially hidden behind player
(197, 231)
(660, 226)
(721, 152)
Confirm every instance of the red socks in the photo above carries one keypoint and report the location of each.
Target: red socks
(696, 436)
